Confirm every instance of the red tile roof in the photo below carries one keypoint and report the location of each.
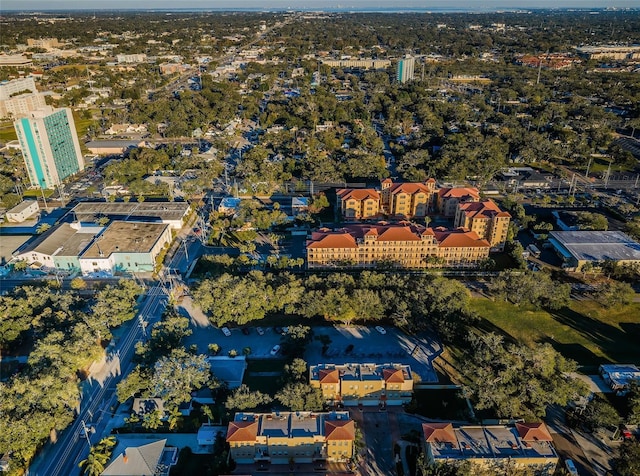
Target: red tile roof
(439, 432)
(459, 238)
(459, 192)
(483, 209)
(357, 193)
(393, 233)
(329, 376)
(339, 429)
(393, 375)
(340, 239)
(409, 187)
(533, 431)
(242, 431)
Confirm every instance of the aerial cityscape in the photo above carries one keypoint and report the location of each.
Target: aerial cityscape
(320, 238)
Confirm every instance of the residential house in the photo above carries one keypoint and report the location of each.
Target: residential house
(448, 199)
(141, 458)
(359, 203)
(404, 245)
(363, 384)
(282, 437)
(408, 200)
(620, 376)
(492, 447)
(486, 219)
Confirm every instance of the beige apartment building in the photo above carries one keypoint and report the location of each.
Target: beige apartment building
(402, 245)
(363, 384)
(409, 199)
(486, 219)
(492, 447)
(358, 204)
(449, 198)
(280, 437)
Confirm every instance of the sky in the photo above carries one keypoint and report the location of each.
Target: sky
(6, 5)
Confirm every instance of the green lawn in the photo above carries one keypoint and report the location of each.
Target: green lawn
(585, 332)
(7, 133)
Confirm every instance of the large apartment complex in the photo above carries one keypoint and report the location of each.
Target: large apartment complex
(408, 199)
(282, 437)
(49, 145)
(492, 446)
(404, 244)
(358, 203)
(19, 96)
(486, 219)
(363, 384)
(450, 197)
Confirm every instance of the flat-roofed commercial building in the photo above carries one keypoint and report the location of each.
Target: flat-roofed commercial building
(120, 247)
(361, 63)
(50, 146)
(620, 376)
(401, 245)
(281, 437)
(366, 384)
(170, 213)
(577, 248)
(126, 247)
(493, 447)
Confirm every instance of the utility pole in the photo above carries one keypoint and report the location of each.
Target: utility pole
(86, 431)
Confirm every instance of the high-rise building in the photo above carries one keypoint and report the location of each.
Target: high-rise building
(19, 96)
(405, 69)
(49, 145)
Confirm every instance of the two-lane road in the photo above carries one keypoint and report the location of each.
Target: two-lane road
(62, 458)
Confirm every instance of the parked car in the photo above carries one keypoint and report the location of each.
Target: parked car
(277, 329)
(260, 331)
(381, 329)
(571, 467)
(285, 331)
(275, 349)
(226, 331)
(246, 331)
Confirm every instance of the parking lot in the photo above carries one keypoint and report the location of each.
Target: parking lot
(358, 344)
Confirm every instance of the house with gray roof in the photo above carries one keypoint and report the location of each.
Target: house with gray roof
(144, 459)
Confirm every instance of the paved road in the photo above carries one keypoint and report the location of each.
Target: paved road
(98, 399)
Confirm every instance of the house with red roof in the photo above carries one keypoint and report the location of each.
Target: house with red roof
(491, 447)
(363, 384)
(282, 437)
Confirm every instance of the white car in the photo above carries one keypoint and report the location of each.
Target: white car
(381, 329)
(260, 331)
(226, 331)
(275, 350)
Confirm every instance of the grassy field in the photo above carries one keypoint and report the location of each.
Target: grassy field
(585, 332)
(7, 133)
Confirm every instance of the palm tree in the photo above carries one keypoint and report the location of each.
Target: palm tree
(175, 419)
(98, 457)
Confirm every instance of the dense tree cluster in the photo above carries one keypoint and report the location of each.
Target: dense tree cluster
(64, 334)
(412, 302)
(514, 380)
(528, 287)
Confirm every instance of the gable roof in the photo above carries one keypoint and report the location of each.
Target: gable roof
(484, 209)
(409, 187)
(339, 430)
(459, 192)
(357, 193)
(533, 431)
(242, 431)
(398, 233)
(136, 460)
(459, 238)
(340, 239)
(439, 432)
